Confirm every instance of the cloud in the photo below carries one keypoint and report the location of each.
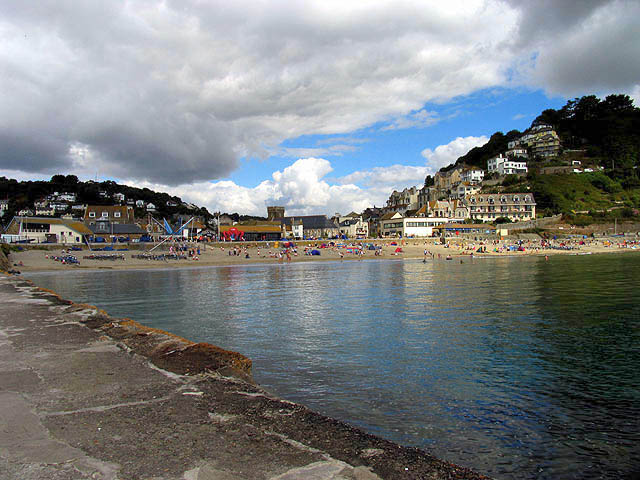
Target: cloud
(300, 188)
(389, 178)
(381, 181)
(419, 119)
(578, 48)
(176, 92)
(444, 155)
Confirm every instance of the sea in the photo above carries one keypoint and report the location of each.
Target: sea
(517, 367)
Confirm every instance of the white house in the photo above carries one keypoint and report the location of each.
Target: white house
(119, 197)
(47, 230)
(45, 210)
(66, 197)
(4, 206)
(517, 152)
(59, 206)
(393, 224)
(472, 175)
(503, 165)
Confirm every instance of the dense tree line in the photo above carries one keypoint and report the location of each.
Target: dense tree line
(609, 129)
(24, 194)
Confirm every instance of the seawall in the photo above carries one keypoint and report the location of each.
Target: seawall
(84, 395)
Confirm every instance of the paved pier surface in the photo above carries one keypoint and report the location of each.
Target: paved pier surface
(81, 399)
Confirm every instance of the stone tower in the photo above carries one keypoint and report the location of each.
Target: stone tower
(274, 212)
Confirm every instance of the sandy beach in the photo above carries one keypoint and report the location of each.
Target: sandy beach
(41, 258)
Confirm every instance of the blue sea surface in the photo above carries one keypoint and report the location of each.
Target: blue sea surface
(515, 367)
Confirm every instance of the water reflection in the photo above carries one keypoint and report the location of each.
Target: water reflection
(519, 368)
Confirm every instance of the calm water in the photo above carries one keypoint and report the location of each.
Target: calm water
(518, 368)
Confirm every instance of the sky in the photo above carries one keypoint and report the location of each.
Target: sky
(320, 106)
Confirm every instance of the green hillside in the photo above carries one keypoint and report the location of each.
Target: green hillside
(604, 135)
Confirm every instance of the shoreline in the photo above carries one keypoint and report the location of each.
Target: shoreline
(223, 423)
(37, 259)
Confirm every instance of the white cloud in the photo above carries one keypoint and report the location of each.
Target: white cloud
(178, 91)
(175, 92)
(419, 119)
(381, 181)
(300, 188)
(388, 178)
(444, 155)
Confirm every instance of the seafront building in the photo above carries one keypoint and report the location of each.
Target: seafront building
(46, 230)
(253, 231)
(514, 206)
(313, 226)
(352, 225)
(394, 224)
(422, 222)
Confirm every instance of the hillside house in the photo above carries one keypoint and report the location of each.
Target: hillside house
(472, 176)
(44, 211)
(503, 165)
(465, 189)
(115, 214)
(402, 201)
(541, 140)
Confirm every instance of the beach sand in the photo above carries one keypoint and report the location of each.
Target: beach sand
(215, 254)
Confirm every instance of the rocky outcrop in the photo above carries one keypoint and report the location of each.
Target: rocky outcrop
(5, 265)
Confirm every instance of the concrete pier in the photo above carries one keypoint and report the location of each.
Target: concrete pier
(87, 396)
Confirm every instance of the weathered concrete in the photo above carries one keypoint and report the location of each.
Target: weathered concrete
(77, 403)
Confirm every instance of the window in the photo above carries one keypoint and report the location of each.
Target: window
(105, 214)
(516, 199)
(116, 214)
(92, 214)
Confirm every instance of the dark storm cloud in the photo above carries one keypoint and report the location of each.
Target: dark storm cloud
(177, 91)
(581, 47)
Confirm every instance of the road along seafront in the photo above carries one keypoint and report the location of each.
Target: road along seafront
(85, 395)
